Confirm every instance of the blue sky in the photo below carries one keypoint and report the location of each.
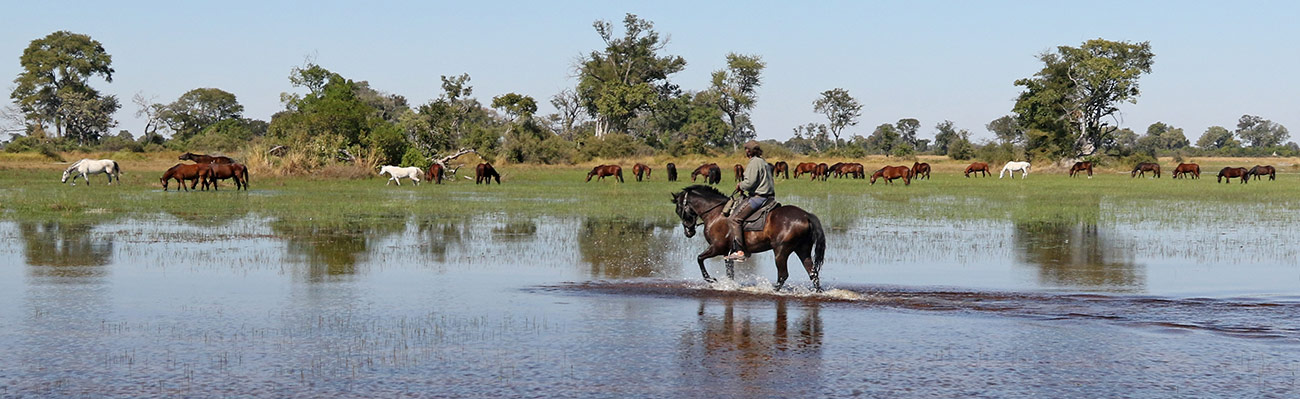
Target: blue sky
(930, 60)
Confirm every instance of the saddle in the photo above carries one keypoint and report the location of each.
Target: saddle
(758, 220)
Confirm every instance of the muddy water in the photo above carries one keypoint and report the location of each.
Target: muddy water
(492, 306)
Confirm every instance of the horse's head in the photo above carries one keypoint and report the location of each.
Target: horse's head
(592, 173)
(187, 156)
(685, 212)
(66, 173)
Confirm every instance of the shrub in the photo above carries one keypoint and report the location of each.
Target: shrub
(417, 158)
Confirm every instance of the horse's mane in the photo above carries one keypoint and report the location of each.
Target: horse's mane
(704, 191)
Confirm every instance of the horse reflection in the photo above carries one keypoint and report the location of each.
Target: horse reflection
(744, 351)
(1073, 254)
(619, 248)
(66, 250)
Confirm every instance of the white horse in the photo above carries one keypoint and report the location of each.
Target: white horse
(86, 167)
(1012, 167)
(395, 173)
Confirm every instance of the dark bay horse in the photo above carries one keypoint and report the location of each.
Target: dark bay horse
(1079, 167)
(672, 171)
(780, 168)
(484, 173)
(920, 170)
(834, 169)
(889, 173)
(1258, 171)
(223, 171)
(788, 230)
(1185, 169)
(201, 158)
(1142, 168)
(639, 170)
(434, 174)
(822, 171)
(740, 172)
(1231, 172)
(186, 171)
(606, 170)
(804, 167)
(976, 167)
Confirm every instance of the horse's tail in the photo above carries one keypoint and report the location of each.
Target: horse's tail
(819, 243)
(117, 169)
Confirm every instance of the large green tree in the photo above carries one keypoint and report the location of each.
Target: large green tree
(946, 135)
(197, 109)
(736, 88)
(1217, 137)
(907, 130)
(1007, 130)
(619, 81)
(841, 110)
(54, 87)
(1078, 88)
(1260, 132)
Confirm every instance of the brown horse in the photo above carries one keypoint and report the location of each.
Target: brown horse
(434, 174)
(606, 170)
(1079, 167)
(920, 170)
(703, 170)
(834, 169)
(889, 173)
(201, 158)
(484, 173)
(640, 169)
(672, 171)
(822, 171)
(781, 168)
(1231, 172)
(854, 170)
(1258, 171)
(223, 171)
(1185, 169)
(804, 167)
(186, 171)
(788, 230)
(977, 167)
(740, 172)
(1142, 168)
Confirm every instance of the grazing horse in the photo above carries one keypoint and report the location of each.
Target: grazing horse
(788, 230)
(715, 175)
(1080, 167)
(86, 167)
(781, 168)
(822, 171)
(889, 173)
(834, 169)
(977, 167)
(484, 173)
(740, 172)
(1184, 169)
(186, 171)
(1012, 167)
(1142, 168)
(672, 171)
(606, 170)
(434, 174)
(396, 173)
(703, 170)
(1258, 171)
(920, 169)
(1231, 172)
(222, 171)
(854, 170)
(804, 167)
(201, 158)
(640, 170)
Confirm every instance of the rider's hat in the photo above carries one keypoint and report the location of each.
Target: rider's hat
(751, 145)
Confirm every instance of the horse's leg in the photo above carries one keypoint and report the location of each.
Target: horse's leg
(782, 271)
(712, 251)
(804, 252)
(731, 270)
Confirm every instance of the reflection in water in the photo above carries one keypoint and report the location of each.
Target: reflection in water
(60, 249)
(440, 234)
(743, 352)
(1078, 255)
(617, 248)
(516, 230)
(328, 252)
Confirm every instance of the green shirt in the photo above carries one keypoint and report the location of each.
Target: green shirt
(758, 178)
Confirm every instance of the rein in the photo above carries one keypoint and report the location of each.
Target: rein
(700, 215)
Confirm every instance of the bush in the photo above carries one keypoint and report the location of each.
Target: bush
(996, 154)
(961, 150)
(415, 157)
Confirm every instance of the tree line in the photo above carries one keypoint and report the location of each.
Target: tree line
(623, 104)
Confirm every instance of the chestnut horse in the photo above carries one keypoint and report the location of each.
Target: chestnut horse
(1142, 168)
(822, 171)
(977, 167)
(781, 168)
(484, 172)
(703, 170)
(1231, 172)
(920, 169)
(222, 171)
(1258, 171)
(1184, 169)
(788, 230)
(893, 172)
(606, 170)
(201, 158)
(804, 167)
(640, 169)
(434, 174)
(672, 171)
(1079, 167)
(186, 171)
(854, 170)
(740, 172)
(835, 169)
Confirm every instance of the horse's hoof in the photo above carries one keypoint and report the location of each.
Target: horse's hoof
(710, 280)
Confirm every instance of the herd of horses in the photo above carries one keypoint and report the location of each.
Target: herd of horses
(712, 173)
(1187, 171)
(484, 173)
(207, 170)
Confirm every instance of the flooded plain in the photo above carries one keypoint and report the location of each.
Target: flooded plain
(549, 306)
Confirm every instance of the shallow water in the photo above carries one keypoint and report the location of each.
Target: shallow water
(492, 306)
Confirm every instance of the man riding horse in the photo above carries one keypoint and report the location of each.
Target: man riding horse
(758, 188)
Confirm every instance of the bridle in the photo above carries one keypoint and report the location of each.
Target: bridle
(699, 216)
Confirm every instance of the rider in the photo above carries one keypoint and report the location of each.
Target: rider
(758, 188)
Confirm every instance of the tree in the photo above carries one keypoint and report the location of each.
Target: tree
(841, 109)
(946, 135)
(1078, 87)
(811, 137)
(569, 112)
(515, 105)
(54, 88)
(735, 88)
(1160, 136)
(1007, 130)
(197, 109)
(1217, 137)
(620, 81)
(883, 140)
(907, 129)
(1260, 132)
